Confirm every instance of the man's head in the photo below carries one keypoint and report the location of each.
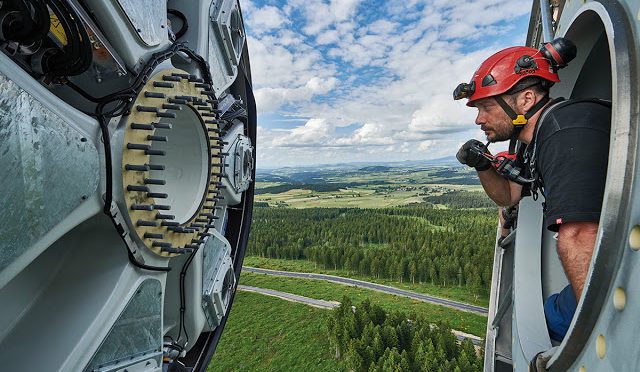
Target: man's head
(512, 85)
(493, 119)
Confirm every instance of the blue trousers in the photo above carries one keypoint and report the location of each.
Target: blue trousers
(558, 311)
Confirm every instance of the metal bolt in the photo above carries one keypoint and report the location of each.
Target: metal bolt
(619, 299)
(601, 346)
(634, 238)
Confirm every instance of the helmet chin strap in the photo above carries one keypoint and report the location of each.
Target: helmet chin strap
(519, 120)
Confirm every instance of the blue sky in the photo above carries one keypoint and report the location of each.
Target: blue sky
(369, 80)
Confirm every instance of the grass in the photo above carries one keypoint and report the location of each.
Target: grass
(453, 293)
(463, 321)
(405, 189)
(269, 334)
(351, 198)
(262, 185)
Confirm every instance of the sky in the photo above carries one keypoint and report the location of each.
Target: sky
(341, 81)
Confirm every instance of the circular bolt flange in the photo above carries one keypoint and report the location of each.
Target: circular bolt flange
(171, 152)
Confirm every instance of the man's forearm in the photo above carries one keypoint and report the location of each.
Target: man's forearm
(496, 187)
(576, 241)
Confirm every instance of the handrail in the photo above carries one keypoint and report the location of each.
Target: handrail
(547, 20)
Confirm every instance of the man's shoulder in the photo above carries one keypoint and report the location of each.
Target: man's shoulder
(576, 113)
(578, 108)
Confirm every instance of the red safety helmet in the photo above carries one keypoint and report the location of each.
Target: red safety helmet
(500, 72)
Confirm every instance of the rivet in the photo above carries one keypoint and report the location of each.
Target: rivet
(154, 152)
(153, 236)
(141, 126)
(141, 108)
(162, 125)
(137, 146)
(634, 238)
(154, 181)
(137, 188)
(177, 101)
(601, 346)
(619, 299)
(158, 195)
(155, 166)
(162, 84)
(184, 76)
(161, 244)
(154, 95)
(170, 115)
(138, 168)
(171, 106)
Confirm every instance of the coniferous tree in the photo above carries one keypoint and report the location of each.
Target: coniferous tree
(371, 340)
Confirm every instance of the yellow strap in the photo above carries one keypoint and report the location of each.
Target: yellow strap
(520, 120)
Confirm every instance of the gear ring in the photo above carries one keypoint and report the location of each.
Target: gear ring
(163, 97)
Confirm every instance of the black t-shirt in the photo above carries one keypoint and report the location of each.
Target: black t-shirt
(572, 154)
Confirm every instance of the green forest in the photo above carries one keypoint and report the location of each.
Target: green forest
(458, 199)
(419, 244)
(365, 338)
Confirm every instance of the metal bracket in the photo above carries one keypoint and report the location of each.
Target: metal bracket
(123, 230)
(502, 308)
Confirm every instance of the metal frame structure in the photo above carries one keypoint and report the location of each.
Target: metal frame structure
(127, 186)
(601, 336)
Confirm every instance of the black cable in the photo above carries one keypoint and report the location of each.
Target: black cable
(183, 274)
(27, 35)
(82, 92)
(140, 265)
(77, 55)
(185, 24)
(109, 184)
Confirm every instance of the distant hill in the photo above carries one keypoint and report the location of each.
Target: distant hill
(447, 160)
(441, 168)
(375, 168)
(444, 161)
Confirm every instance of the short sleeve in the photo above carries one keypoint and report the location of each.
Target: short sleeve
(573, 166)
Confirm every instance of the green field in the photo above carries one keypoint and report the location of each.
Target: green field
(366, 189)
(268, 334)
(356, 197)
(261, 185)
(463, 321)
(453, 293)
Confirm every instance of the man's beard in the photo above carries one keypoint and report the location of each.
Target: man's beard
(503, 134)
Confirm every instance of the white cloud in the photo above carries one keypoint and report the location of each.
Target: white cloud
(321, 15)
(265, 19)
(306, 55)
(368, 134)
(313, 133)
(270, 99)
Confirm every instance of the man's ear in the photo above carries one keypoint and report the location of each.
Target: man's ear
(527, 99)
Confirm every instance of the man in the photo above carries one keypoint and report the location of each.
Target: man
(566, 155)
